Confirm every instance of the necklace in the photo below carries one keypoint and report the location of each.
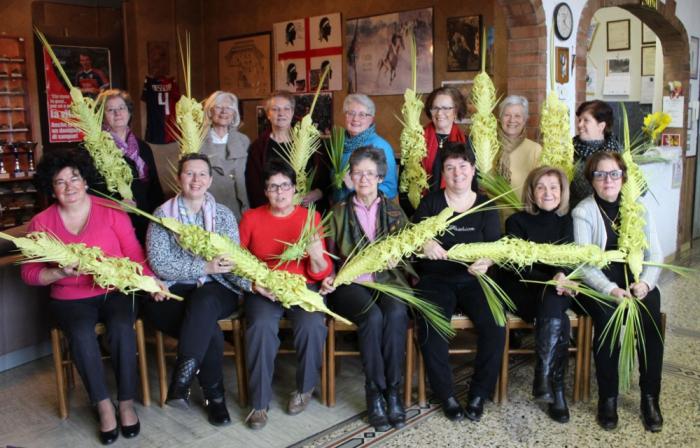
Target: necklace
(441, 140)
(612, 221)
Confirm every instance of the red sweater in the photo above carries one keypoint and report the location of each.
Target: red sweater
(107, 228)
(262, 233)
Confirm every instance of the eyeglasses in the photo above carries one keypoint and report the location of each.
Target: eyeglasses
(358, 175)
(281, 109)
(360, 115)
(117, 109)
(229, 109)
(276, 188)
(62, 184)
(443, 109)
(613, 175)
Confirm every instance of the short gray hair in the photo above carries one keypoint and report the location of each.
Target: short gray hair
(514, 100)
(369, 153)
(216, 99)
(359, 98)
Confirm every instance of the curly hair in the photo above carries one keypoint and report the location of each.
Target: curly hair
(53, 161)
(457, 99)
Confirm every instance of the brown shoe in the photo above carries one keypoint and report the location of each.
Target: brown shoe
(298, 402)
(257, 419)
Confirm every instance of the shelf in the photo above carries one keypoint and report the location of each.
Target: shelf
(11, 93)
(14, 130)
(12, 109)
(16, 179)
(6, 59)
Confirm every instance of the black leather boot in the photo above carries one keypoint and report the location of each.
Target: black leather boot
(376, 408)
(546, 339)
(215, 404)
(183, 375)
(474, 408)
(558, 410)
(607, 413)
(651, 413)
(394, 407)
(453, 410)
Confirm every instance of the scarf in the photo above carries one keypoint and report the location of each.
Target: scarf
(360, 140)
(433, 162)
(508, 146)
(130, 148)
(584, 149)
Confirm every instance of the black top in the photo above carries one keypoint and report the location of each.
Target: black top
(616, 272)
(483, 226)
(545, 227)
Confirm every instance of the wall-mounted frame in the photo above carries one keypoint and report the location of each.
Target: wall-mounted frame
(465, 88)
(244, 65)
(463, 46)
(562, 65)
(618, 35)
(649, 60)
(648, 36)
(694, 57)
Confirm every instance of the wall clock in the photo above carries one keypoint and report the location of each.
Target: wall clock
(563, 21)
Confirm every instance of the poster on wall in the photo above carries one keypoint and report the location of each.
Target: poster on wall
(244, 66)
(464, 43)
(379, 53)
(88, 68)
(303, 48)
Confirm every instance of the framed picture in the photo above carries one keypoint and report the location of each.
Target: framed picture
(617, 66)
(323, 111)
(562, 68)
(648, 36)
(379, 55)
(648, 61)
(464, 43)
(671, 140)
(465, 88)
(618, 35)
(303, 48)
(694, 44)
(244, 66)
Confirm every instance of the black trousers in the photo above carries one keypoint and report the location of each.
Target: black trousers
(467, 296)
(381, 326)
(537, 302)
(194, 323)
(606, 361)
(77, 320)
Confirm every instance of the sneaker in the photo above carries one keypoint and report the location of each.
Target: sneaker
(257, 419)
(298, 402)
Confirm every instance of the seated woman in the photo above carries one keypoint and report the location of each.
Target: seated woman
(381, 320)
(545, 219)
(451, 286)
(77, 304)
(596, 221)
(263, 232)
(210, 291)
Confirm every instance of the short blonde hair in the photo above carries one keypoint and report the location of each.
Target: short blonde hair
(535, 175)
(216, 99)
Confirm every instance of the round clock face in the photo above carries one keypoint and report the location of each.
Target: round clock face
(563, 21)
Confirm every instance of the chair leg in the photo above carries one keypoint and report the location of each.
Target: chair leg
(408, 376)
(143, 363)
(502, 385)
(240, 364)
(331, 362)
(422, 401)
(160, 356)
(580, 336)
(663, 326)
(324, 376)
(60, 377)
(587, 348)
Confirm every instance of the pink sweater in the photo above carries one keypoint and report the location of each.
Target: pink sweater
(107, 228)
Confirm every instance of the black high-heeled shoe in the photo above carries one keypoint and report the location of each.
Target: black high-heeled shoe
(111, 436)
(131, 431)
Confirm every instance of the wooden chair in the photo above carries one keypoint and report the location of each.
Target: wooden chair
(590, 346)
(231, 324)
(459, 322)
(64, 365)
(516, 323)
(333, 327)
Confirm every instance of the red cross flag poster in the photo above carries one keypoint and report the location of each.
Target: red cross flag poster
(303, 48)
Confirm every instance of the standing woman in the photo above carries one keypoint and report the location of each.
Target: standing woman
(381, 320)
(76, 303)
(227, 150)
(148, 193)
(263, 232)
(594, 127)
(545, 219)
(443, 106)
(451, 286)
(210, 291)
(596, 221)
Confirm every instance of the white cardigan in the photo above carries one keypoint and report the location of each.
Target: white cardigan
(589, 228)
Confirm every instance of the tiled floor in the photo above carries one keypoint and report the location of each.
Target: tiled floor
(28, 416)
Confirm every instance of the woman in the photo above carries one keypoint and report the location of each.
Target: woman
(594, 124)
(443, 106)
(451, 286)
(381, 320)
(227, 150)
(279, 108)
(76, 302)
(210, 291)
(545, 219)
(596, 221)
(146, 188)
(361, 131)
(519, 155)
(264, 230)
